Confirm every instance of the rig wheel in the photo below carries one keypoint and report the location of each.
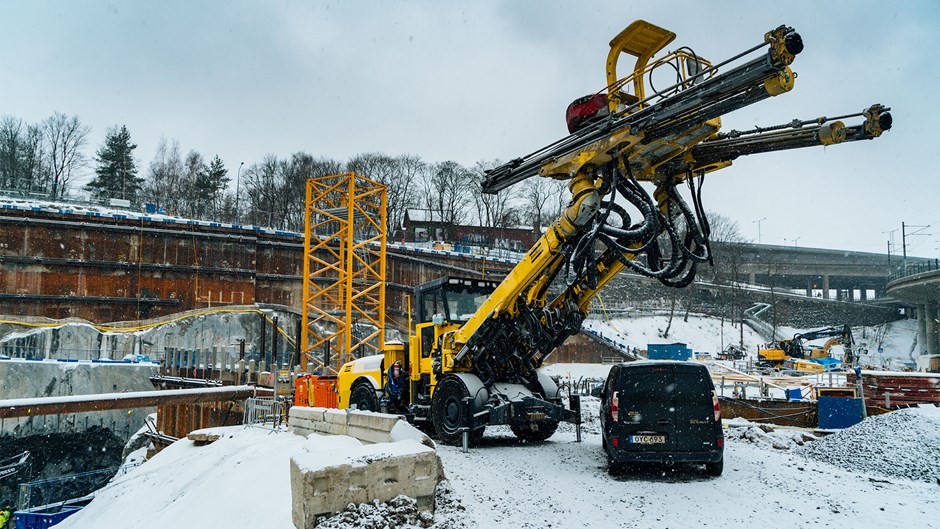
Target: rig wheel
(450, 413)
(363, 397)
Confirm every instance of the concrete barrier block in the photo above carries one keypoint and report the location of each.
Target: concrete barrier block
(335, 416)
(367, 435)
(329, 428)
(372, 472)
(307, 413)
(374, 421)
(297, 424)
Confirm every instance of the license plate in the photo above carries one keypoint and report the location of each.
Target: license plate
(647, 439)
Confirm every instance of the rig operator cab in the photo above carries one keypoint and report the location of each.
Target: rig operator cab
(435, 393)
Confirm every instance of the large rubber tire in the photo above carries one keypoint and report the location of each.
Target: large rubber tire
(363, 397)
(534, 431)
(449, 412)
(715, 469)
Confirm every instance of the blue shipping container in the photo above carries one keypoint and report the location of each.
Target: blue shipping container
(839, 412)
(670, 351)
(41, 520)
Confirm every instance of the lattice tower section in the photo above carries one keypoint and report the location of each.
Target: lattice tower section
(344, 271)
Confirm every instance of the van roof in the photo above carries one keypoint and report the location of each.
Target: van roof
(641, 363)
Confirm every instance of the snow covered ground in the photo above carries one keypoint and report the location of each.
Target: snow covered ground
(772, 478)
(242, 480)
(564, 484)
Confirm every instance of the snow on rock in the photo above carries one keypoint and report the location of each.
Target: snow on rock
(766, 435)
(402, 431)
(333, 450)
(901, 444)
(402, 512)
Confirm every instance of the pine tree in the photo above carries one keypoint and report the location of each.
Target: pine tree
(217, 182)
(116, 174)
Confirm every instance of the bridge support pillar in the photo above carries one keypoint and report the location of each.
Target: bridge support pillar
(921, 313)
(752, 278)
(826, 286)
(933, 347)
(809, 288)
(863, 291)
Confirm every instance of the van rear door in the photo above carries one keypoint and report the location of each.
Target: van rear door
(695, 413)
(647, 414)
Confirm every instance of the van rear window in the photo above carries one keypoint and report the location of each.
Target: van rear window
(648, 385)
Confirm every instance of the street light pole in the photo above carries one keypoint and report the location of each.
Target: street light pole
(238, 181)
(758, 221)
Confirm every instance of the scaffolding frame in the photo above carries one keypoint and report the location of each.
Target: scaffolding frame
(344, 271)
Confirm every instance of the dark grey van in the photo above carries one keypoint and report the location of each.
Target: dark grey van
(661, 411)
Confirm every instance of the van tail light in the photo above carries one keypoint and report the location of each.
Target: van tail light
(614, 406)
(717, 406)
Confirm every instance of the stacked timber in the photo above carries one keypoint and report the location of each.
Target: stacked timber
(897, 388)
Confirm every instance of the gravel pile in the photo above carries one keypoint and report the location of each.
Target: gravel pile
(400, 513)
(901, 444)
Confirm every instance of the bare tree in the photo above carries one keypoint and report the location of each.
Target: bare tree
(537, 192)
(397, 174)
(65, 137)
(21, 156)
(165, 183)
(493, 207)
(261, 187)
(446, 193)
(559, 197)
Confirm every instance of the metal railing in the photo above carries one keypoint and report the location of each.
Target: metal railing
(44, 493)
(264, 412)
(912, 269)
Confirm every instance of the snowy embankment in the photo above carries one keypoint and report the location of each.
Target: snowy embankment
(889, 345)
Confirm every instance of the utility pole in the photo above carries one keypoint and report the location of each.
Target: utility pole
(904, 246)
(758, 221)
(238, 181)
(904, 235)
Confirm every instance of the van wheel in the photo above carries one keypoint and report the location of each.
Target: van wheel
(715, 469)
(363, 397)
(614, 469)
(534, 431)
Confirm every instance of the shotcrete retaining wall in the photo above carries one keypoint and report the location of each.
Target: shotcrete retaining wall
(38, 378)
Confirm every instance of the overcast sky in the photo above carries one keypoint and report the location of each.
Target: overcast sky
(470, 81)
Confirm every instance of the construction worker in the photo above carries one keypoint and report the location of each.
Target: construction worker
(396, 381)
(4, 517)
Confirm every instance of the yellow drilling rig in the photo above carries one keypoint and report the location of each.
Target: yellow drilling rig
(472, 358)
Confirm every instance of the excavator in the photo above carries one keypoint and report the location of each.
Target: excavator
(779, 352)
(473, 357)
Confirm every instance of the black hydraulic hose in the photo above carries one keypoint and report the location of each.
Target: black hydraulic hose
(692, 226)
